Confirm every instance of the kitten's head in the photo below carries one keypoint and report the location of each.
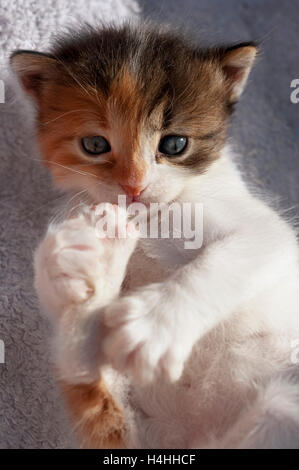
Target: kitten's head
(136, 111)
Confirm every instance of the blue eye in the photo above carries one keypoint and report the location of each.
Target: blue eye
(95, 145)
(172, 144)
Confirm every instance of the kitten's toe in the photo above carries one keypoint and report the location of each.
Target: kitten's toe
(171, 366)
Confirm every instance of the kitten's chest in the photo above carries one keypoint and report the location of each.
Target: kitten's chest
(155, 259)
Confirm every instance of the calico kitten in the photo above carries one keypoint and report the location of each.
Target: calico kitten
(148, 354)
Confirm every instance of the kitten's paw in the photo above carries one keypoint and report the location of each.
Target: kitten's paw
(149, 334)
(79, 267)
(78, 262)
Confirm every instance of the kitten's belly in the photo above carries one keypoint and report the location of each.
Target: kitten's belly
(203, 405)
(205, 402)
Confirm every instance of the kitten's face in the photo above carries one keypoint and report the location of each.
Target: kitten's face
(135, 112)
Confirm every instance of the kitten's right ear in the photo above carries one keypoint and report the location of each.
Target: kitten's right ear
(34, 70)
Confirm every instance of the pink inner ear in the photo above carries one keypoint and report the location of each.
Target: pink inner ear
(236, 65)
(234, 74)
(32, 84)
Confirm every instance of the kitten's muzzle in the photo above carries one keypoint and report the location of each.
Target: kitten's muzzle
(133, 191)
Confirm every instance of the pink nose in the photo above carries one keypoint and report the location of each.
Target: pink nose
(133, 190)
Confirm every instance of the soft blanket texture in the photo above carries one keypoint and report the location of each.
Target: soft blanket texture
(30, 411)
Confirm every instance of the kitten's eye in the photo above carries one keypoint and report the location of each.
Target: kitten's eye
(172, 144)
(95, 145)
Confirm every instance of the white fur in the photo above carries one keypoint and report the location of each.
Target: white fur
(77, 272)
(207, 344)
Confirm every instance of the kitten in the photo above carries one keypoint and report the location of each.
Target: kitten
(150, 352)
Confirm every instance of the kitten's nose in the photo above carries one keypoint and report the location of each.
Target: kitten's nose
(133, 190)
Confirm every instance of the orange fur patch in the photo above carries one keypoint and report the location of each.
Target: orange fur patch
(85, 112)
(97, 419)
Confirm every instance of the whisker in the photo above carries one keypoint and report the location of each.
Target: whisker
(82, 173)
(74, 77)
(66, 211)
(72, 169)
(76, 195)
(62, 115)
(99, 162)
(50, 201)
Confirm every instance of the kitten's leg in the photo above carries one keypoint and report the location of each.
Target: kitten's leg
(77, 273)
(271, 422)
(274, 421)
(98, 420)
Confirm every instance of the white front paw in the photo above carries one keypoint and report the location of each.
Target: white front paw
(149, 333)
(75, 264)
(78, 269)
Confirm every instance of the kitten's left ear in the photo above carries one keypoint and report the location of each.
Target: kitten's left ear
(34, 71)
(236, 62)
